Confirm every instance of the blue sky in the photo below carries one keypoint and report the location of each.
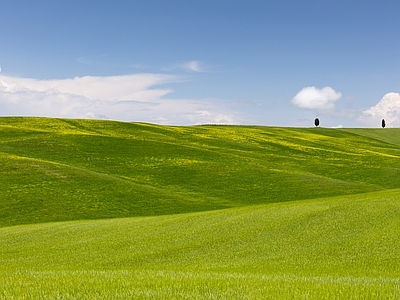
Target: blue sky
(188, 62)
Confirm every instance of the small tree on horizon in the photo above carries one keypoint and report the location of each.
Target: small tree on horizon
(316, 122)
(383, 123)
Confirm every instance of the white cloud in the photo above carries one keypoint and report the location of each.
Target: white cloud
(203, 113)
(125, 87)
(387, 108)
(137, 97)
(316, 99)
(193, 66)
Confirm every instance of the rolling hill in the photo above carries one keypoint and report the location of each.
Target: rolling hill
(102, 209)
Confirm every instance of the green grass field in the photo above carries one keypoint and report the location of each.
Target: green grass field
(111, 210)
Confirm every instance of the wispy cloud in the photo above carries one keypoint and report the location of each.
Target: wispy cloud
(193, 66)
(316, 99)
(387, 108)
(125, 87)
(137, 97)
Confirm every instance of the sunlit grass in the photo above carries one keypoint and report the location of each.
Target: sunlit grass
(104, 210)
(150, 284)
(322, 247)
(58, 169)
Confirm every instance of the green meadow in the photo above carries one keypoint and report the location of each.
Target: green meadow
(95, 209)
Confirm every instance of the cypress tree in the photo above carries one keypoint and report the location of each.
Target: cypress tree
(383, 123)
(316, 122)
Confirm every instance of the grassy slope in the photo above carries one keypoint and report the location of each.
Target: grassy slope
(59, 170)
(267, 243)
(252, 238)
(388, 135)
(347, 247)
